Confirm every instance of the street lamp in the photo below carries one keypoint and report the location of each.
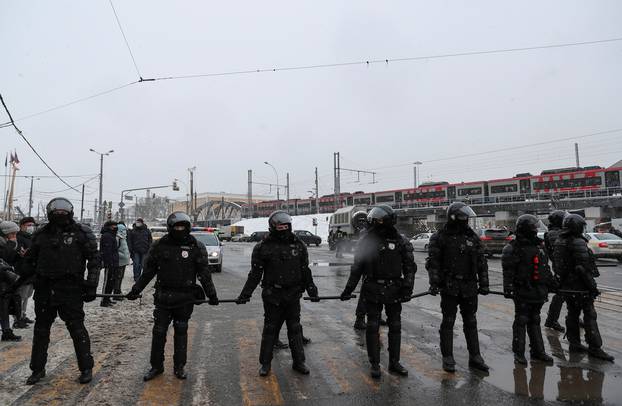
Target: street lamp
(101, 180)
(277, 179)
(416, 163)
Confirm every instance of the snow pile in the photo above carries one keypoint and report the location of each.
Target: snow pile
(299, 223)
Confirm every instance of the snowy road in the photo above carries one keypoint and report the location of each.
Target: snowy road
(224, 346)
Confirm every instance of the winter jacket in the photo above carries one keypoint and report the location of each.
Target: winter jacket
(8, 250)
(109, 248)
(526, 270)
(124, 251)
(7, 277)
(139, 240)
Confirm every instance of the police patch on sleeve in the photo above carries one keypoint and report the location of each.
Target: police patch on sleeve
(391, 246)
(184, 254)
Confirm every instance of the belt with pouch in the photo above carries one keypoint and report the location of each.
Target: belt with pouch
(385, 282)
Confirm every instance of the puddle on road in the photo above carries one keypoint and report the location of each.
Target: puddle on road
(573, 378)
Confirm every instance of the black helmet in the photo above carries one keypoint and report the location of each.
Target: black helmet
(279, 221)
(527, 225)
(176, 218)
(574, 223)
(359, 220)
(556, 218)
(383, 215)
(59, 203)
(458, 211)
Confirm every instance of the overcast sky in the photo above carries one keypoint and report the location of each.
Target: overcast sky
(377, 117)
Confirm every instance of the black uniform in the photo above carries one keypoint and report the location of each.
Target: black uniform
(176, 263)
(385, 261)
(526, 279)
(576, 269)
(557, 301)
(280, 263)
(57, 258)
(457, 267)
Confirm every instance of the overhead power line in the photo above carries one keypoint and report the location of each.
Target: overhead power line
(125, 39)
(31, 147)
(314, 66)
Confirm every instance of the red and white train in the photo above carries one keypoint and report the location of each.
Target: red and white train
(561, 183)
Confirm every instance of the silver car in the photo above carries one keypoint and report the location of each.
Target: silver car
(421, 241)
(214, 249)
(605, 245)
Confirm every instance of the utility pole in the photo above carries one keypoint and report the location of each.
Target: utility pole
(95, 212)
(191, 170)
(576, 153)
(102, 210)
(337, 170)
(82, 205)
(250, 192)
(32, 179)
(287, 180)
(317, 194)
(416, 180)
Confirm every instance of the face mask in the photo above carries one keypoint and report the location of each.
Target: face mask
(59, 219)
(179, 235)
(139, 224)
(30, 229)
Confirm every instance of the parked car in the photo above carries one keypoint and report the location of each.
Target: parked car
(493, 239)
(257, 236)
(421, 241)
(604, 245)
(214, 249)
(308, 237)
(239, 238)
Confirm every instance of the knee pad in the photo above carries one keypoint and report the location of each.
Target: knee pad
(270, 329)
(181, 327)
(448, 323)
(395, 326)
(294, 328)
(75, 326)
(522, 319)
(41, 332)
(159, 329)
(535, 319)
(469, 322)
(373, 324)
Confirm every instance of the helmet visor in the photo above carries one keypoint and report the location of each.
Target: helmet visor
(377, 214)
(280, 218)
(178, 217)
(464, 213)
(60, 205)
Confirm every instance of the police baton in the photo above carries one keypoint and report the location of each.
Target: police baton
(496, 292)
(318, 298)
(422, 294)
(115, 296)
(198, 302)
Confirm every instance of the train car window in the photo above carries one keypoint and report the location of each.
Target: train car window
(469, 191)
(451, 192)
(525, 186)
(612, 179)
(568, 183)
(511, 188)
(383, 199)
(398, 196)
(432, 194)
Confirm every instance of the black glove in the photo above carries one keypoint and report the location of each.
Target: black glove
(434, 290)
(595, 293)
(483, 290)
(88, 293)
(312, 292)
(133, 295)
(242, 299)
(213, 300)
(508, 293)
(345, 295)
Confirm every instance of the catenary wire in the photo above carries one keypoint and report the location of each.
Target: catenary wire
(125, 39)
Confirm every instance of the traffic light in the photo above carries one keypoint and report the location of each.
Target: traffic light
(175, 185)
(314, 221)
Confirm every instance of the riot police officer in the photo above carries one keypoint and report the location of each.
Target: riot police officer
(281, 263)
(176, 260)
(555, 227)
(57, 258)
(527, 279)
(382, 257)
(576, 269)
(458, 269)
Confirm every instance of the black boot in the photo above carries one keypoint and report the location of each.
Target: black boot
(374, 371)
(600, 354)
(306, 340)
(555, 326)
(280, 345)
(265, 353)
(577, 348)
(447, 350)
(7, 335)
(179, 372)
(395, 340)
(20, 323)
(519, 358)
(153, 372)
(298, 352)
(359, 323)
(264, 369)
(35, 377)
(383, 322)
(537, 344)
(86, 376)
(475, 359)
(106, 303)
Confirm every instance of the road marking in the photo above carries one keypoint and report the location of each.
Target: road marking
(16, 353)
(202, 393)
(256, 390)
(166, 389)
